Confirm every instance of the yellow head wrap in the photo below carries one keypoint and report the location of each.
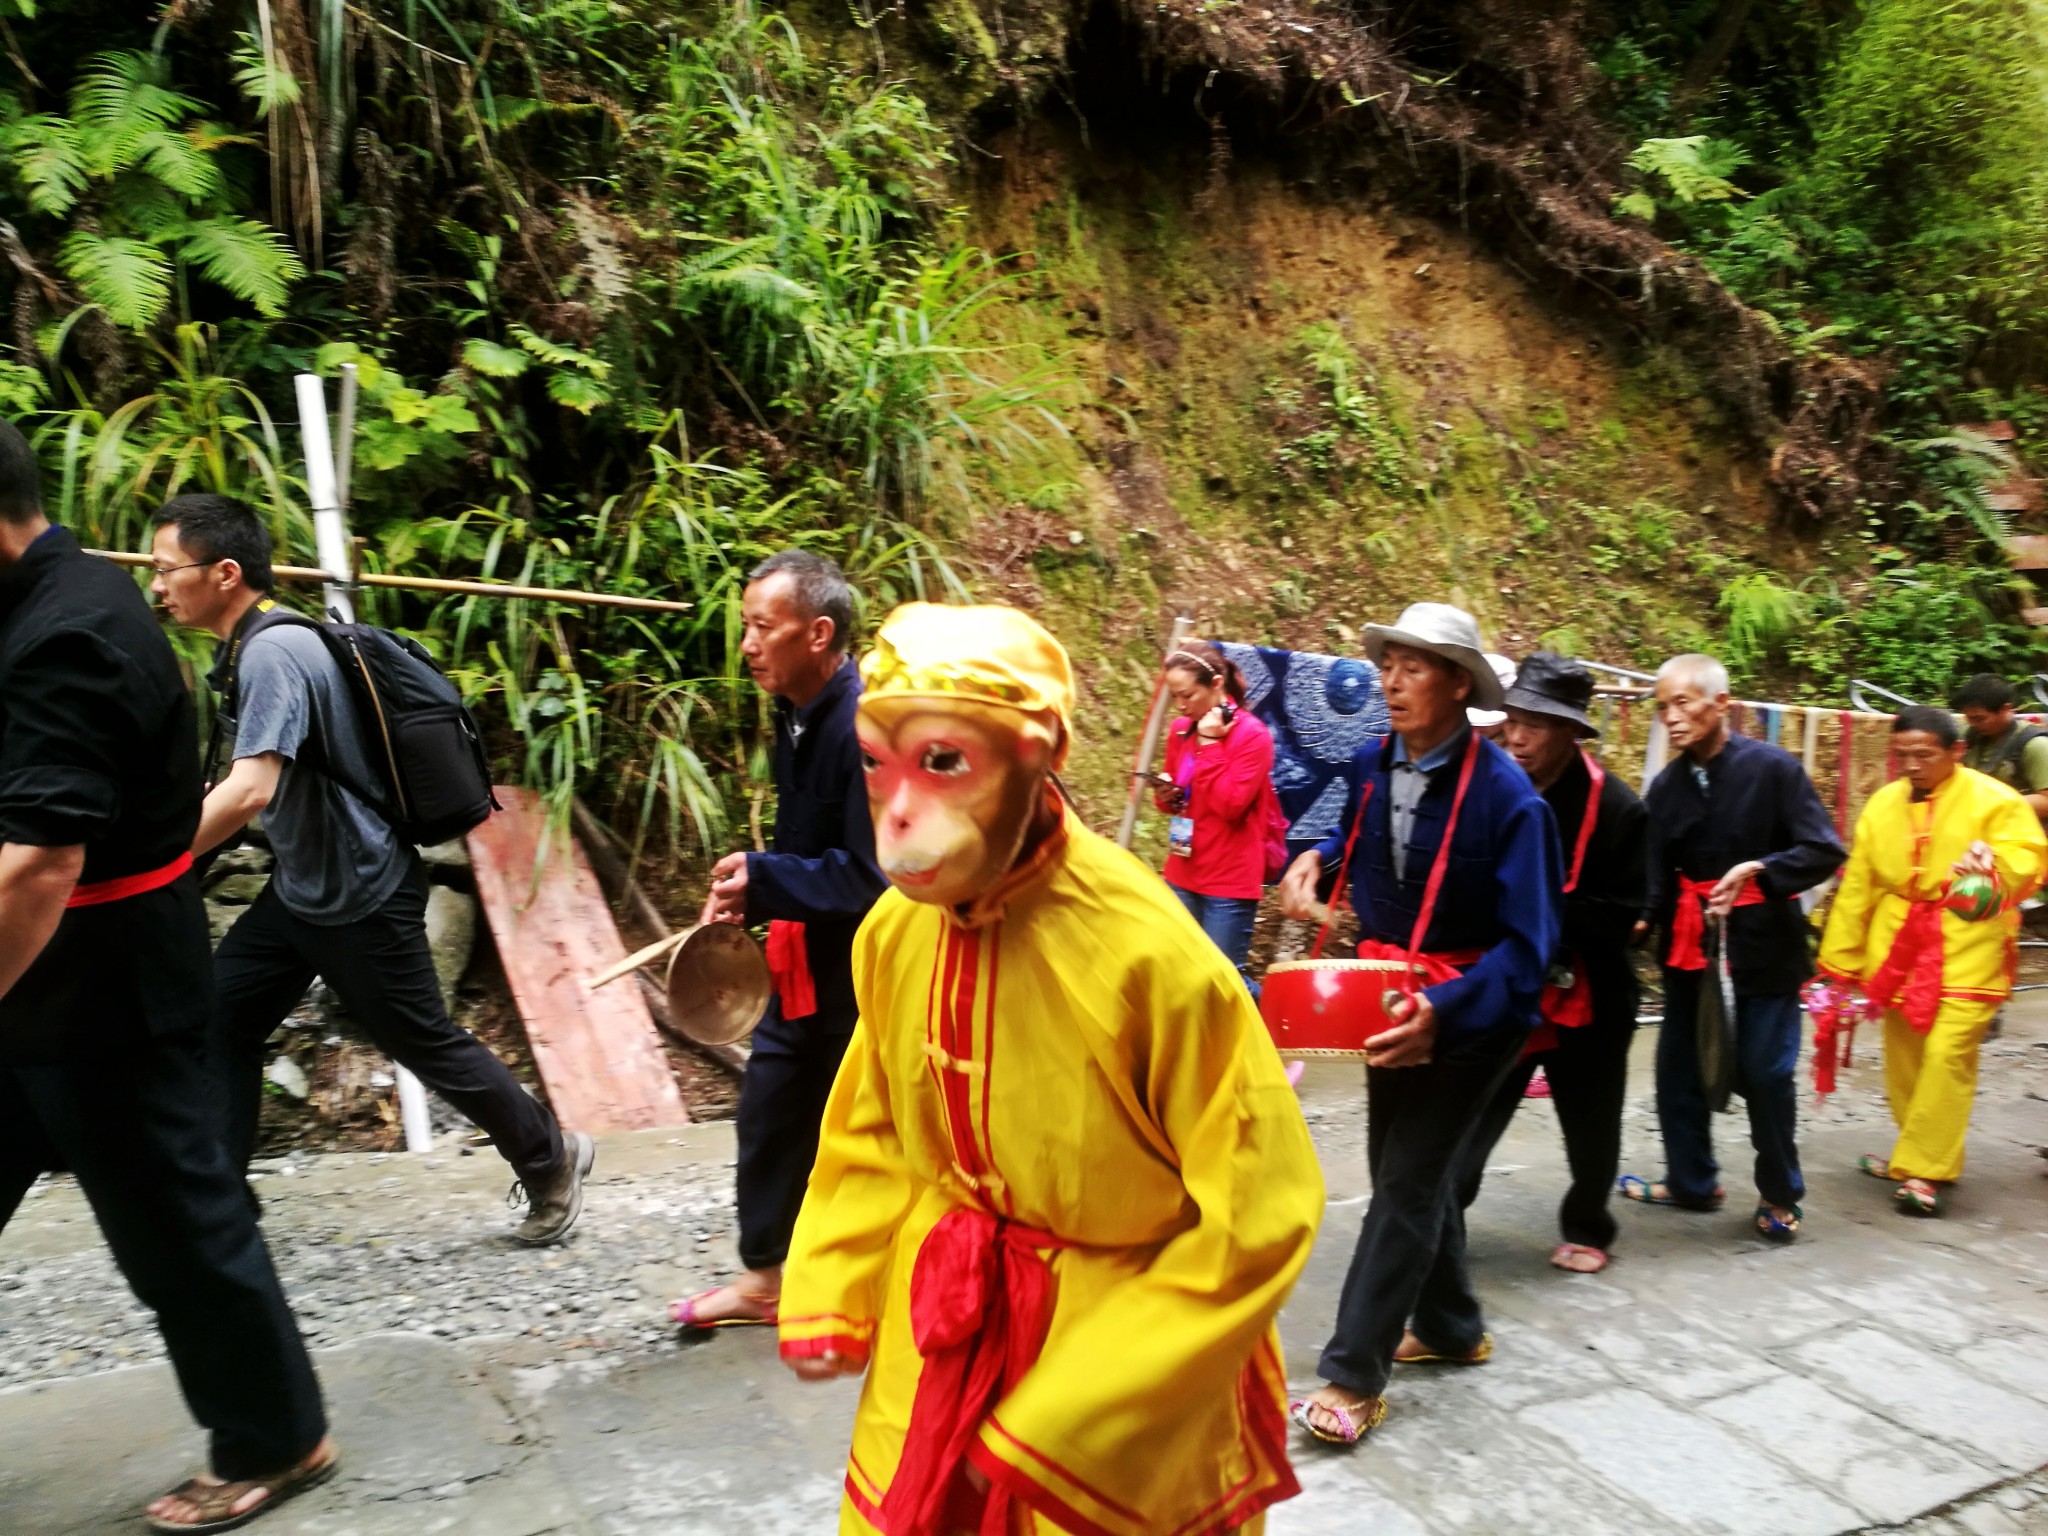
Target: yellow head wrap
(989, 654)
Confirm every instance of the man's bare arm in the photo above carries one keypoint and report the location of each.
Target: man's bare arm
(34, 885)
(236, 799)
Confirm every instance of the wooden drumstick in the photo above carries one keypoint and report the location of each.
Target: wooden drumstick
(634, 961)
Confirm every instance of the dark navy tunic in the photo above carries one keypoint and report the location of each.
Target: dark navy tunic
(1758, 804)
(822, 872)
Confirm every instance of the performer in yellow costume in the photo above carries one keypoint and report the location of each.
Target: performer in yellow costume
(1935, 956)
(1063, 1186)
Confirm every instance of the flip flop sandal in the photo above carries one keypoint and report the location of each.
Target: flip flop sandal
(1917, 1197)
(1643, 1192)
(1350, 1431)
(1564, 1251)
(1429, 1356)
(1772, 1229)
(1877, 1167)
(215, 1501)
(684, 1314)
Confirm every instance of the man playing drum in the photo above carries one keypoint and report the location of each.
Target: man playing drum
(1452, 857)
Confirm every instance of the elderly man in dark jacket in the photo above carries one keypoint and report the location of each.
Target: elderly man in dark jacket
(1453, 861)
(812, 890)
(1589, 1001)
(106, 995)
(1737, 832)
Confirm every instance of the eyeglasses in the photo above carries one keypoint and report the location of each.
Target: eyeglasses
(189, 565)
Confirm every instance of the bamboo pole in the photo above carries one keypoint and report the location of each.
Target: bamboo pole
(439, 584)
(1148, 745)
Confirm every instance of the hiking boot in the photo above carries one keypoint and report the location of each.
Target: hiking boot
(554, 1200)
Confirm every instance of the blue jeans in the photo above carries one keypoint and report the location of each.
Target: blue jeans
(1228, 922)
(1766, 1056)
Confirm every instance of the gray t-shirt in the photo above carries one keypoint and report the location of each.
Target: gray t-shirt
(337, 859)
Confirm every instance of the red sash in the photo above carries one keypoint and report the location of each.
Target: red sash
(789, 967)
(100, 892)
(1416, 962)
(1689, 920)
(1572, 1007)
(980, 1303)
(1910, 978)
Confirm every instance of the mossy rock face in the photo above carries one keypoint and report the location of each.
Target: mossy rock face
(1294, 413)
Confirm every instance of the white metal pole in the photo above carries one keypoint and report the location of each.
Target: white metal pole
(1655, 752)
(330, 538)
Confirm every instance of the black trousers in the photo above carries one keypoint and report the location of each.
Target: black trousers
(383, 972)
(134, 1118)
(782, 1101)
(1588, 1074)
(1410, 1259)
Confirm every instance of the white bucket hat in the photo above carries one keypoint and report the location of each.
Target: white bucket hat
(1503, 669)
(1444, 631)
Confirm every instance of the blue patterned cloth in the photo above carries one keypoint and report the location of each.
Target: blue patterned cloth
(1321, 710)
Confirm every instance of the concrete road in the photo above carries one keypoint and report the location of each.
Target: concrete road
(1883, 1373)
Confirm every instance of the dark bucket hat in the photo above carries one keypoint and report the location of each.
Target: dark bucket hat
(1547, 684)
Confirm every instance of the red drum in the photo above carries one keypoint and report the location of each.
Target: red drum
(1328, 1007)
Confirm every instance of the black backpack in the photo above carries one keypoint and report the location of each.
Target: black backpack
(434, 779)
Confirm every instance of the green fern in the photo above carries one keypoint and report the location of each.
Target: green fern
(130, 279)
(250, 260)
(494, 359)
(47, 155)
(577, 392)
(264, 78)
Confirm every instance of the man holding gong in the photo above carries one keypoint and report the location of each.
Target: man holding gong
(1452, 863)
(1736, 833)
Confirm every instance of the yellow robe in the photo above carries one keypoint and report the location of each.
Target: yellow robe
(1931, 1079)
(1086, 1063)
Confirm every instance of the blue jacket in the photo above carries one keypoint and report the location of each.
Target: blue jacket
(1500, 890)
(822, 872)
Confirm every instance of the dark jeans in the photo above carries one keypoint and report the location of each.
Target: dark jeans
(383, 972)
(782, 1102)
(134, 1119)
(1588, 1074)
(1410, 1261)
(1767, 1057)
(1228, 922)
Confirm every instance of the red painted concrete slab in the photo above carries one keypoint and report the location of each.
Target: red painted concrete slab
(597, 1051)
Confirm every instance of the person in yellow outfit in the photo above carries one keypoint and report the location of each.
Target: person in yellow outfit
(1063, 1185)
(1925, 923)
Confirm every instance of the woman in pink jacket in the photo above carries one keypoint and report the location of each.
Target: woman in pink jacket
(1219, 761)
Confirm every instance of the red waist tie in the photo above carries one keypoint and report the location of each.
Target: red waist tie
(1689, 921)
(1562, 1008)
(789, 966)
(980, 1302)
(100, 892)
(1910, 978)
(1426, 969)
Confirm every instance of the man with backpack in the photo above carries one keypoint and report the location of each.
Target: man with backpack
(347, 898)
(1996, 743)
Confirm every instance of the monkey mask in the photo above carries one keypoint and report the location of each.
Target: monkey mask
(963, 719)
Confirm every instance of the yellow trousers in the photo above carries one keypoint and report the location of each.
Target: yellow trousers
(851, 1523)
(1931, 1081)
